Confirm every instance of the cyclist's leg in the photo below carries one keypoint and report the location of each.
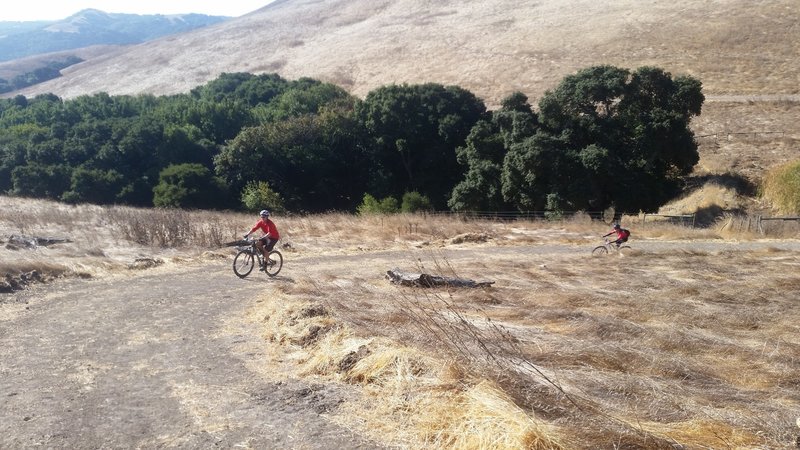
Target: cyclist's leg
(260, 248)
(270, 245)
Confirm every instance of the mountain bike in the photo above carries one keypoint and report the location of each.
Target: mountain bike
(608, 247)
(248, 256)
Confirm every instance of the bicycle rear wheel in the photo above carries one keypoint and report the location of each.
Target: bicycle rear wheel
(600, 250)
(274, 263)
(625, 250)
(243, 263)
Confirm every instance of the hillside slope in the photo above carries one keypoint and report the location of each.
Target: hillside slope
(490, 47)
(745, 53)
(92, 27)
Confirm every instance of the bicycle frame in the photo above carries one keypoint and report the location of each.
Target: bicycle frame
(608, 246)
(270, 263)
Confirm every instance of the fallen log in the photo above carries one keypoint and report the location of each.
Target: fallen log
(16, 242)
(427, 280)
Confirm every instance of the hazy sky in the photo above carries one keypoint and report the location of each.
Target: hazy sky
(23, 10)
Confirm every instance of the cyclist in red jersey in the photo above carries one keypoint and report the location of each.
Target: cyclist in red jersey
(267, 242)
(622, 234)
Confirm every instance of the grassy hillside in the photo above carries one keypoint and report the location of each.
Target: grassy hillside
(744, 53)
(490, 47)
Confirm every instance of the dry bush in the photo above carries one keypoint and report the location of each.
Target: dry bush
(410, 399)
(173, 228)
(781, 187)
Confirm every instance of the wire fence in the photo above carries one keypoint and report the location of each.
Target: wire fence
(517, 215)
(604, 216)
(727, 220)
(742, 135)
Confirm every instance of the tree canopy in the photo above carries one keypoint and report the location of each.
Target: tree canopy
(604, 136)
(414, 132)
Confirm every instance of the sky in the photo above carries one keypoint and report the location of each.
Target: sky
(26, 10)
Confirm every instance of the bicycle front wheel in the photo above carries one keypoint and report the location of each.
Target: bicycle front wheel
(600, 250)
(274, 263)
(243, 264)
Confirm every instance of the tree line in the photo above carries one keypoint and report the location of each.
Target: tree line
(605, 136)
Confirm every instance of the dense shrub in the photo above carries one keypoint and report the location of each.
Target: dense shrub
(189, 186)
(414, 201)
(257, 195)
(781, 187)
(371, 205)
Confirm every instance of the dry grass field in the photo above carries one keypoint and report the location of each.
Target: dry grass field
(687, 342)
(736, 47)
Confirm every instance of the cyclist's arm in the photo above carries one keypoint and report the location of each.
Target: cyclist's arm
(251, 231)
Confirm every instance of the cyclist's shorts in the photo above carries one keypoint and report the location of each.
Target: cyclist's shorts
(269, 243)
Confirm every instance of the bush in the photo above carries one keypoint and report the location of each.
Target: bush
(189, 186)
(781, 187)
(257, 195)
(414, 201)
(370, 205)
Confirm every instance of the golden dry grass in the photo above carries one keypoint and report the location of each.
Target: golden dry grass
(491, 48)
(701, 366)
(690, 345)
(693, 348)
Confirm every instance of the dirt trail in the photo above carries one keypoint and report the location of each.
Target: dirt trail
(164, 359)
(151, 361)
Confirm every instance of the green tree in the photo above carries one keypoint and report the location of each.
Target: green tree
(93, 186)
(305, 99)
(189, 186)
(414, 202)
(41, 181)
(257, 195)
(371, 205)
(624, 135)
(252, 89)
(537, 167)
(415, 130)
(604, 137)
(315, 161)
(485, 152)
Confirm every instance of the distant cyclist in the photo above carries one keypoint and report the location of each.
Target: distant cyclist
(267, 242)
(622, 234)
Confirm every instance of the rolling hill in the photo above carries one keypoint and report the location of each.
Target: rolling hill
(745, 53)
(490, 47)
(91, 27)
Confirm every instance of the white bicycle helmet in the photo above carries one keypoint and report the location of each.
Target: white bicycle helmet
(264, 213)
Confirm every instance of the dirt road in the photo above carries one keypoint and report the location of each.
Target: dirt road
(163, 359)
(151, 361)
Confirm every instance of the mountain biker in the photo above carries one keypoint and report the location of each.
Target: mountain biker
(267, 242)
(622, 234)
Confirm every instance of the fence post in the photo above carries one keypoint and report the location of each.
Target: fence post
(644, 218)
